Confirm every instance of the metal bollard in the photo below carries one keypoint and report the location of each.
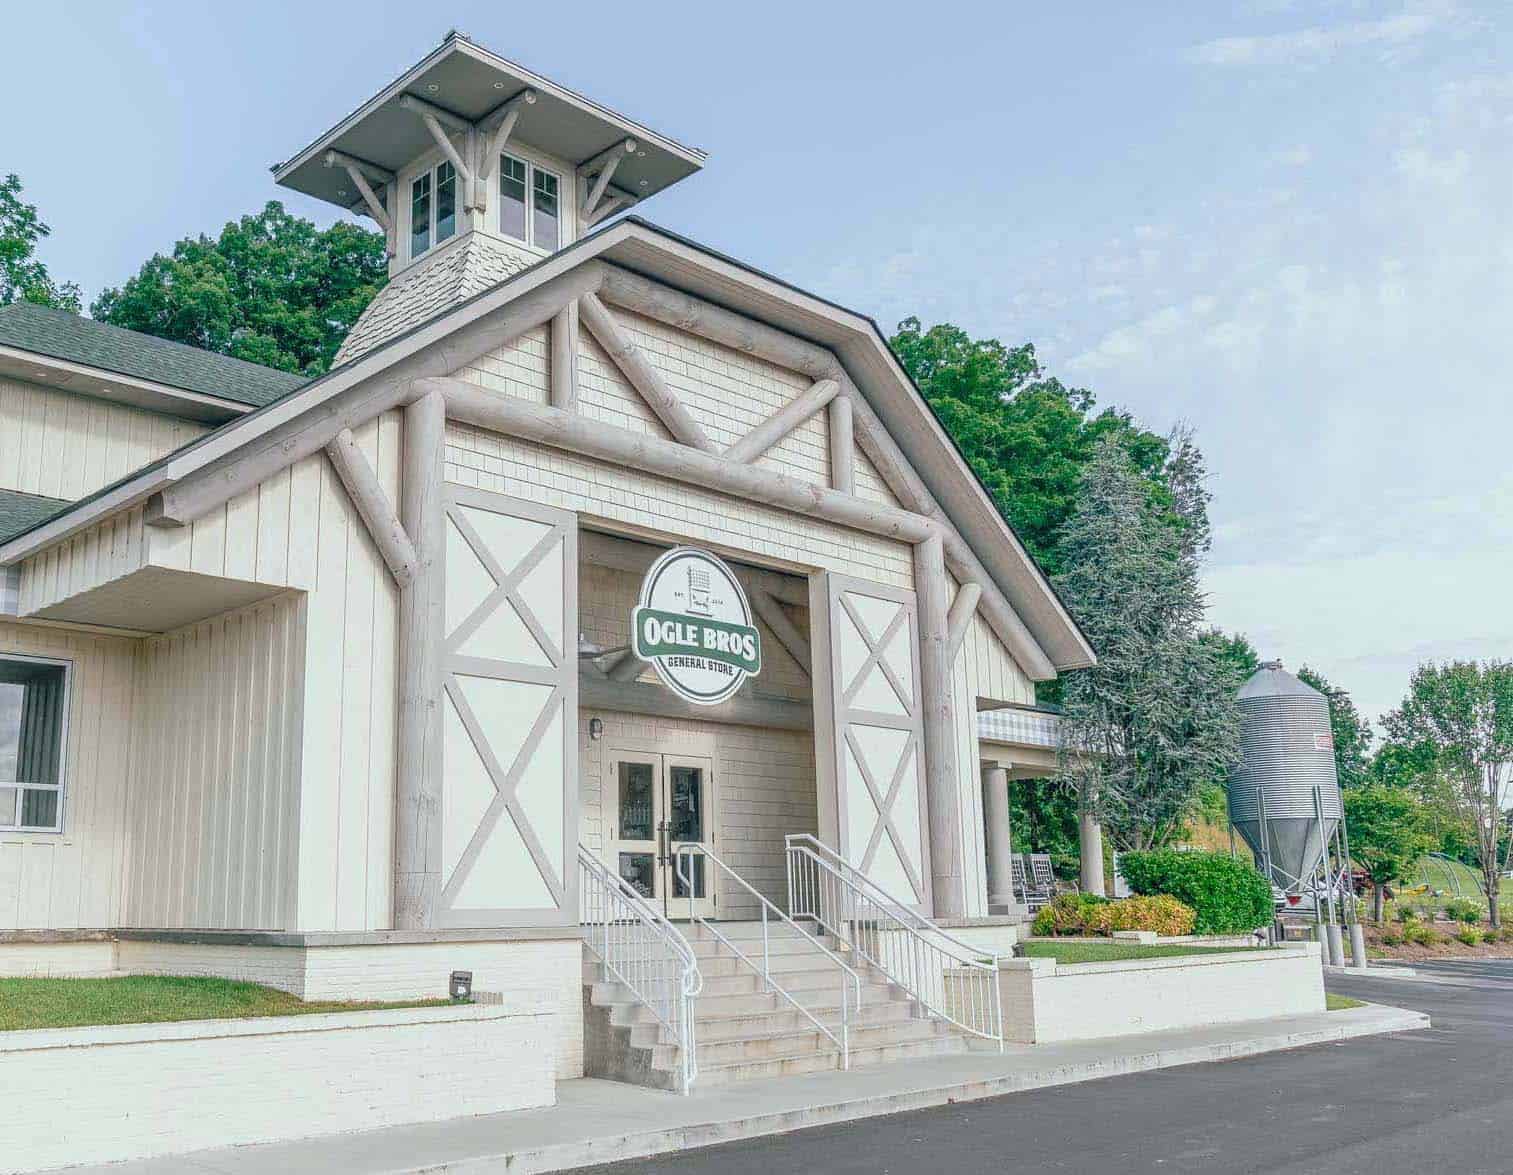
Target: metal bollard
(1334, 945)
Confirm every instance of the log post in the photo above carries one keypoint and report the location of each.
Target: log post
(417, 801)
(565, 358)
(942, 801)
(842, 446)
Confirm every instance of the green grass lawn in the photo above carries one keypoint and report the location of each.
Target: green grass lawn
(1338, 1003)
(150, 999)
(1113, 952)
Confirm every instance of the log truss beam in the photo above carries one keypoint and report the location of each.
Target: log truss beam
(373, 506)
(783, 421)
(644, 377)
(643, 296)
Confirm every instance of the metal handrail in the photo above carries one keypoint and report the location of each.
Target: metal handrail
(950, 979)
(644, 952)
(681, 858)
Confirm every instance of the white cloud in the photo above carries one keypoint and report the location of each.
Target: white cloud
(1389, 36)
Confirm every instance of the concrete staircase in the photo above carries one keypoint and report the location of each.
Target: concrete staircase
(743, 1032)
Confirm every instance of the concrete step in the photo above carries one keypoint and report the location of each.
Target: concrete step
(786, 1044)
(815, 1062)
(781, 1019)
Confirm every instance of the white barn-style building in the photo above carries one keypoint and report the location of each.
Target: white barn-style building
(333, 684)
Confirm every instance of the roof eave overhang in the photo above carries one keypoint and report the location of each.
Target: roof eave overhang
(101, 383)
(676, 160)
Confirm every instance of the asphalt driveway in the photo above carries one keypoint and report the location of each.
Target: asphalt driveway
(1433, 1101)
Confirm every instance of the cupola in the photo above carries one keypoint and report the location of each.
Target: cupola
(475, 168)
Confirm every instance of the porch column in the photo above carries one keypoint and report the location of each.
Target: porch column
(417, 800)
(942, 802)
(995, 813)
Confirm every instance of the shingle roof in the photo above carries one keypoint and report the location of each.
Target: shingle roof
(457, 272)
(62, 335)
(19, 512)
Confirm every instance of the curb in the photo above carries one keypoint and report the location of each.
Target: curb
(1373, 972)
(1370, 1020)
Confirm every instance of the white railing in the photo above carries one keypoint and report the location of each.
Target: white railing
(951, 980)
(643, 951)
(850, 981)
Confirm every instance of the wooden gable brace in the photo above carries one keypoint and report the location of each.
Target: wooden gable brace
(643, 296)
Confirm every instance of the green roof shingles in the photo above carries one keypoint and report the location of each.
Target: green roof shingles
(62, 335)
(21, 512)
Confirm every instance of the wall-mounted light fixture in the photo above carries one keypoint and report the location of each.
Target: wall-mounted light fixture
(596, 728)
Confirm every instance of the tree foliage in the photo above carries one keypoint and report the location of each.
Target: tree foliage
(1155, 721)
(271, 289)
(1459, 717)
(1027, 436)
(22, 277)
(1350, 731)
(1387, 834)
(1230, 897)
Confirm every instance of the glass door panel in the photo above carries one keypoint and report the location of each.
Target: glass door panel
(635, 814)
(689, 822)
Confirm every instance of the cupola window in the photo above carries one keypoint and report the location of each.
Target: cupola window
(433, 208)
(540, 222)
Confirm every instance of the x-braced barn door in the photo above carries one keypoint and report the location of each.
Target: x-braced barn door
(509, 776)
(879, 761)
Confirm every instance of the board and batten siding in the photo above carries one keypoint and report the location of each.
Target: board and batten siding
(70, 880)
(297, 529)
(63, 445)
(213, 808)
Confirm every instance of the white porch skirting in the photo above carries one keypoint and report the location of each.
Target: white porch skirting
(1045, 1002)
(91, 1095)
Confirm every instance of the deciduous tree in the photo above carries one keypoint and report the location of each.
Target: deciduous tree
(1460, 715)
(271, 289)
(1387, 835)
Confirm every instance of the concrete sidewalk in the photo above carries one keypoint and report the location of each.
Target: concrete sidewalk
(603, 1121)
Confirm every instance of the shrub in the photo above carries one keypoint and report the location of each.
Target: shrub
(1469, 936)
(1067, 913)
(1424, 937)
(1405, 914)
(1159, 912)
(1463, 910)
(1227, 896)
(1391, 938)
(1505, 934)
(1489, 936)
(1081, 913)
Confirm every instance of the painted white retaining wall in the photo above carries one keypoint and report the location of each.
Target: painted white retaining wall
(91, 1095)
(1044, 1001)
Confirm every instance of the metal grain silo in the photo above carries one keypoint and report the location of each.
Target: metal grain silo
(1286, 775)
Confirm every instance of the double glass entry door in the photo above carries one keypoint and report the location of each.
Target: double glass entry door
(660, 803)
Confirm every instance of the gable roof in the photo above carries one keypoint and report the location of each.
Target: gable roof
(681, 264)
(61, 334)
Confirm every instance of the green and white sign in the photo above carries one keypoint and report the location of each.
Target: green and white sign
(693, 623)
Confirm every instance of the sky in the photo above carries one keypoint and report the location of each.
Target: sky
(1287, 224)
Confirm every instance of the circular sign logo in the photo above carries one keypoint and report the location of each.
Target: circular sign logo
(693, 623)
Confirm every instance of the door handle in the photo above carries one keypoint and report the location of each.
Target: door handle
(663, 855)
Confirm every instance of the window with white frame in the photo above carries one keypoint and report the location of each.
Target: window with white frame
(433, 208)
(530, 203)
(33, 714)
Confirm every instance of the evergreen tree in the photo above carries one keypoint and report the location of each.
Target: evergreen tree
(1155, 721)
(22, 277)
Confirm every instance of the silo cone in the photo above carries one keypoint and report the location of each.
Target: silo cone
(1287, 758)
